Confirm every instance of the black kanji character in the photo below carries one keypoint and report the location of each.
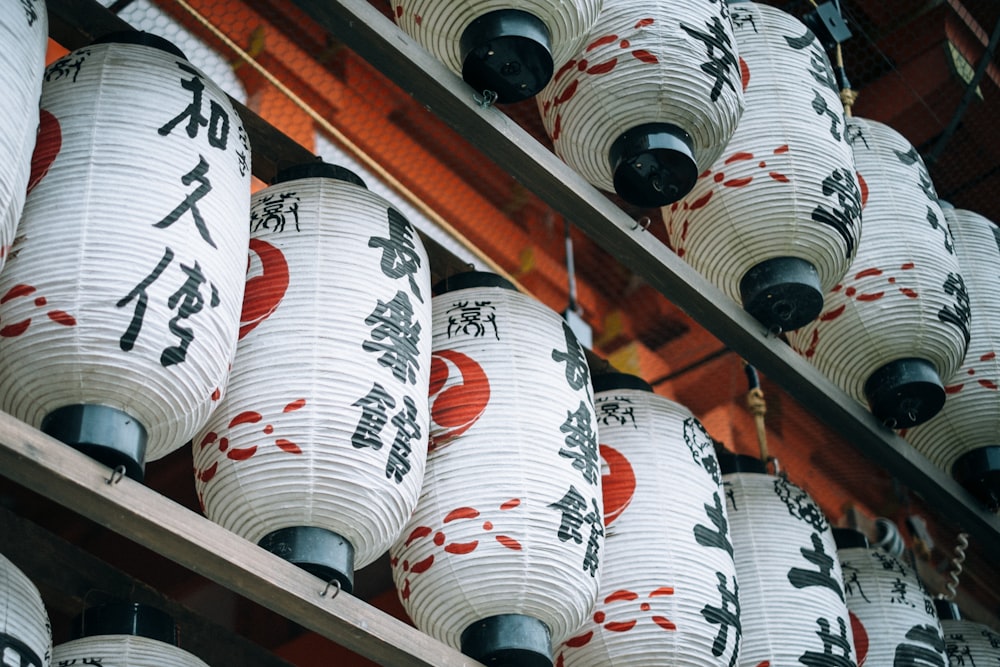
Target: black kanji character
(472, 319)
(592, 557)
(802, 578)
(273, 210)
(924, 649)
(61, 68)
(911, 158)
(572, 507)
(942, 226)
(898, 593)
(741, 17)
(614, 409)
(29, 11)
(375, 406)
(851, 581)
(719, 537)
(191, 200)
(702, 447)
(831, 643)
(721, 57)
(127, 341)
(577, 371)
(407, 430)
(799, 504)
(581, 442)
(725, 617)
(960, 313)
(396, 336)
(217, 122)
(399, 253)
(819, 64)
(845, 215)
(188, 301)
(836, 116)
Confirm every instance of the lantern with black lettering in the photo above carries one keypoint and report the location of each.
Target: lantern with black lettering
(502, 555)
(962, 438)
(774, 222)
(668, 593)
(25, 635)
(899, 320)
(505, 47)
(317, 451)
(124, 635)
(792, 602)
(967, 642)
(650, 100)
(892, 615)
(121, 298)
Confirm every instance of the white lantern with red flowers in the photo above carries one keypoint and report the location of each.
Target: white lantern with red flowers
(502, 555)
(317, 451)
(962, 438)
(119, 305)
(791, 591)
(899, 320)
(25, 634)
(506, 48)
(668, 594)
(774, 221)
(650, 100)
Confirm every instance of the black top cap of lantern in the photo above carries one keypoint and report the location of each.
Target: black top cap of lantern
(782, 293)
(318, 169)
(142, 39)
(509, 640)
(905, 392)
(947, 610)
(978, 471)
(509, 52)
(614, 380)
(653, 164)
(849, 538)
(126, 618)
(730, 463)
(468, 279)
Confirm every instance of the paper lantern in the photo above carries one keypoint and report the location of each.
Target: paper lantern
(509, 47)
(668, 593)
(119, 305)
(967, 642)
(124, 635)
(317, 451)
(25, 635)
(892, 615)
(650, 100)
(502, 555)
(791, 587)
(962, 438)
(899, 321)
(24, 33)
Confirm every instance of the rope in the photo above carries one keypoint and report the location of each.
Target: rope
(956, 566)
(758, 408)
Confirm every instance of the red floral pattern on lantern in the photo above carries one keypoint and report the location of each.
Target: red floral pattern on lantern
(970, 370)
(20, 290)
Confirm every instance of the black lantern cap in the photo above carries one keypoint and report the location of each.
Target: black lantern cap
(947, 610)
(509, 640)
(508, 51)
(141, 38)
(730, 463)
(614, 380)
(850, 538)
(126, 618)
(979, 472)
(103, 433)
(468, 279)
(653, 164)
(321, 552)
(782, 293)
(317, 169)
(905, 392)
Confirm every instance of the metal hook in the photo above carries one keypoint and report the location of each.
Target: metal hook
(487, 99)
(642, 222)
(116, 475)
(334, 583)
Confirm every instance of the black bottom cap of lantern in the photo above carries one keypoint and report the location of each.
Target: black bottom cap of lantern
(126, 618)
(323, 553)
(653, 164)
(470, 279)
(782, 293)
(318, 169)
(509, 52)
(947, 610)
(509, 640)
(103, 433)
(979, 472)
(905, 392)
(613, 380)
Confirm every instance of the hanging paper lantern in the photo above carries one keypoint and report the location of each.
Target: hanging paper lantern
(25, 635)
(967, 642)
(650, 100)
(774, 222)
(668, 593)
(791, 587)
(317, 451)
(962, 438)
(892, 615)
(124, 635)
(24, 33)
(501, 557)
(510, 47)
(119, 305)
(899, 321)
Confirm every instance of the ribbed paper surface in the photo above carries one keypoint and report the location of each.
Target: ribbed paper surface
(22, 613)
(122, 651)
(645, 62)
(324, 422)
(668, 588)
(510, 515)
(971, 644)
(124, 286)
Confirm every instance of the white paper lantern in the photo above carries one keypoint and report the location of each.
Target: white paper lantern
(774, 222)
(967, 643)
(317, 451)
(668, 593)
(119, 305)
(25, 635)
(650, 100)
(24, 33)
(791, 587)
(892, 615)
(510, 47)
(962, 438)
(899, 321)
(501, 557)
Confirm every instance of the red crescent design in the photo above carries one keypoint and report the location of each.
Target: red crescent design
(47, 147)
(264, 292)
(860, 638)
(744, 74)
(618, 484)
(458, 407)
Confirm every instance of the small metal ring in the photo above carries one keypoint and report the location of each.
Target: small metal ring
(642, 222)
(334, 583)
(116, 475)
(487, 99)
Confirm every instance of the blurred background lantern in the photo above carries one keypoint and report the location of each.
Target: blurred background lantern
(650, 100)
(899, 321)
(119, 306)
(892, 615)
(502, 555)
(791, 588)
(317, 451)
(774, 222)
(124, 635)
(24, 33)
(668, 593)
(963, 438)
(25, 636)
(967, 643)
(509, 47)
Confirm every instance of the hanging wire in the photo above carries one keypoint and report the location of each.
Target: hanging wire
(570, 270)
(955, 568)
